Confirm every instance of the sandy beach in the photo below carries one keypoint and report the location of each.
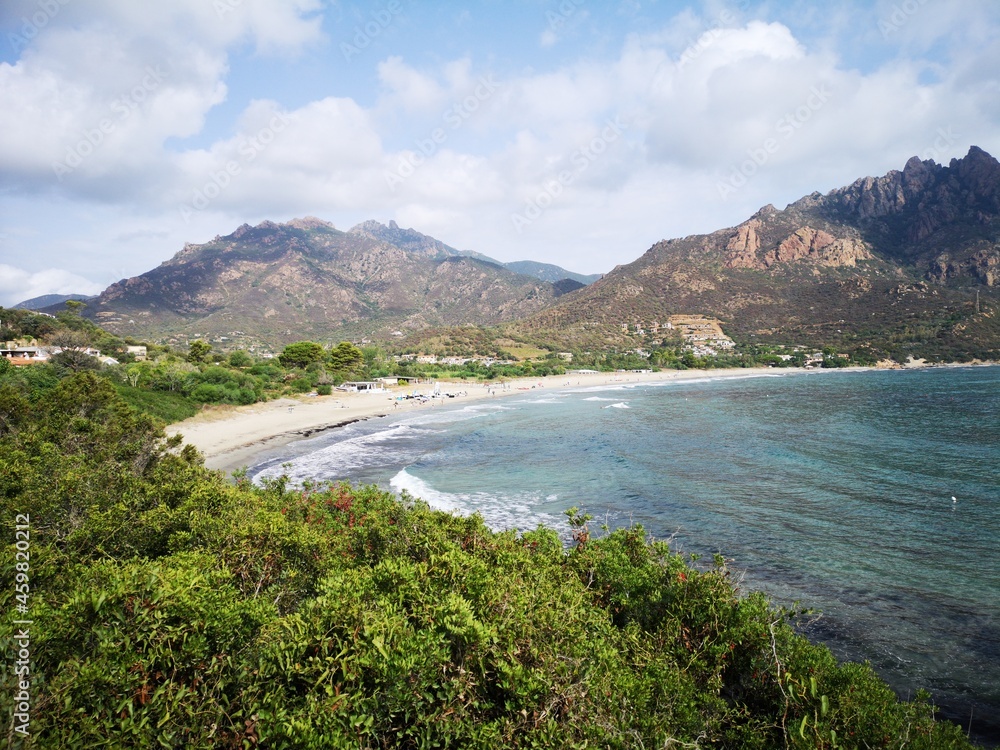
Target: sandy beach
(234, 437)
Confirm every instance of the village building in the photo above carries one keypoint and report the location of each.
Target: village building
(20, 353)
(361, 386)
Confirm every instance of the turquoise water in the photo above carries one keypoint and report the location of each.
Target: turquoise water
(830, 489)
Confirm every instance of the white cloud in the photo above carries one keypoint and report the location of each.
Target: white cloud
(699, 95)
(104, 84)
(407, 89)
(17, 285)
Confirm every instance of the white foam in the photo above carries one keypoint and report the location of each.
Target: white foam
(404, 481)
(499, 512)
(619, 405)
(358, 451)
(439, 416)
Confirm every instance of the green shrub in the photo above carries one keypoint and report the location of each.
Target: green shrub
(301, 385)
(172, 608)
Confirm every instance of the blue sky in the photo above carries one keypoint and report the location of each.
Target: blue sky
(573, 132)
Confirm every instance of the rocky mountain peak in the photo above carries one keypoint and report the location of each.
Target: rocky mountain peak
(765, 212)
(284, 283)
(409, 240)
(979, 174)
(309, 222)
(918, 176)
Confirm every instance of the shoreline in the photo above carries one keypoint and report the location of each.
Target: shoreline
(234, 437)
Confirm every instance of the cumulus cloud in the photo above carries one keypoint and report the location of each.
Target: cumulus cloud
(119, 94)
(103, 85)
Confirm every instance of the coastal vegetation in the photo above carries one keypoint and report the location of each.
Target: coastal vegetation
(171, 607)
(174, 383)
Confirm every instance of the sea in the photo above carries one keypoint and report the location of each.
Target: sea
(869, 496)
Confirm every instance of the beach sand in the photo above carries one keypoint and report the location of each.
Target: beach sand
(231, 438)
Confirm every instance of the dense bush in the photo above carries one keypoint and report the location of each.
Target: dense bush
(172, 608)
(220, 385)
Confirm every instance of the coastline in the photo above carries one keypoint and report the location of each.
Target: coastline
(233, 437)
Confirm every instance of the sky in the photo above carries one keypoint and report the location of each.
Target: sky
(565, 131)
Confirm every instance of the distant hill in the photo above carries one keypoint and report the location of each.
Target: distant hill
(276, 283)
(898, 260)
(47, 300)
(549, 272)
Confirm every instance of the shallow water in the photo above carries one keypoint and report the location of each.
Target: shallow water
(832, 489)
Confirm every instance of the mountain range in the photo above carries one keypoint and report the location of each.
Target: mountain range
(909, 260)
(307, 279)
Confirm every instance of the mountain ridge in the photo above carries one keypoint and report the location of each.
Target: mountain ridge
(907, 262)
(891, 257)
(307, 278)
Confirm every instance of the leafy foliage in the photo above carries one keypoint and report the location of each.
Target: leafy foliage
(173, 608)
(198, 351)
(301, 354)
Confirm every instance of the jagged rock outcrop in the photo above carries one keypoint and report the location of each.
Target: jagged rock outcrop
(751, 247)
(743, 245)
(819, 246)
(984, 266)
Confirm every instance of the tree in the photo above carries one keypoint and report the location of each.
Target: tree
(345, 357)
(73, 357)
(170, 376)
(198, 351)
(301, 354)
(133, 374)
(70, 339)
(240, 358)
(689, 360)
(14, 407)
(75, 306)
